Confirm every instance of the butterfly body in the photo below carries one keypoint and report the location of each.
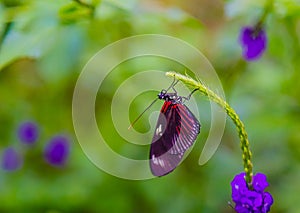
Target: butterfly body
(176, 131)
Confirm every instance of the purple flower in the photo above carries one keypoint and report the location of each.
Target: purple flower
(28, 132)
(253, 41)
(11, 160)
(57, 150)
(251, 201)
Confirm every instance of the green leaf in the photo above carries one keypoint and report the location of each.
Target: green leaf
(74, 11)
(30, 35)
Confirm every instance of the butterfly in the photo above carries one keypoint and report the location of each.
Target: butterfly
(176, 131)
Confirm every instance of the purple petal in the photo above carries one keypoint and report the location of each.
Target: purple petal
(246, 35)
(28, 132)
(239, 182)
(254, 50)
(241, 208)
(256, 198)
(260, 182)
(238, 187)
(268, 201)
(11, 160)
(57, 150)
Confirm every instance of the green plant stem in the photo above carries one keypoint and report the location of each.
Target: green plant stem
(267, 9)
(248, 166)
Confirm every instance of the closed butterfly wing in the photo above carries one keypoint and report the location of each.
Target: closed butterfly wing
(176, 131)
(186, 132)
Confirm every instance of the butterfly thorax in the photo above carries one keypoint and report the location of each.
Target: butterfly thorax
(173, 97)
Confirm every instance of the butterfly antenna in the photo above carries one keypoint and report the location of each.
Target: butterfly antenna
(131, 125)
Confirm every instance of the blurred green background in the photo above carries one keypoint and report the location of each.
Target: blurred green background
(45, 44)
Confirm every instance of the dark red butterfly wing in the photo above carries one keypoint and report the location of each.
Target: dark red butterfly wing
(176, 131)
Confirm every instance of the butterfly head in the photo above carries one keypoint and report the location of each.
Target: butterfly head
(163, 95)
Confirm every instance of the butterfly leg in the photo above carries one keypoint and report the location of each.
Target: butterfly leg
(173, 85)
(189, 96)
